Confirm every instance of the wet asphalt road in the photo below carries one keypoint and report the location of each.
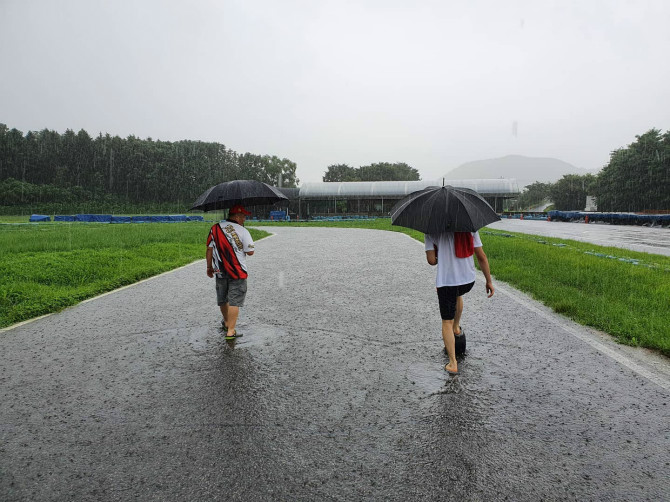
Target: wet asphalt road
(637, 238)
(336, 391)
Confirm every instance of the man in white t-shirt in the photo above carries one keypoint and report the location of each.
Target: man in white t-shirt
(228, 245)
(452, 252)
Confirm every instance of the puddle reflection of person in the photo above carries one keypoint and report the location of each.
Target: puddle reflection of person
(228, 245)
(453, 252)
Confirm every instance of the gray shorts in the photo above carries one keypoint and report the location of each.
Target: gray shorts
(231, 291)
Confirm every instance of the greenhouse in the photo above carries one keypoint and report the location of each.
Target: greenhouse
(376, 198)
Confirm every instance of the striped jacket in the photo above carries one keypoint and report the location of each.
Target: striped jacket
(230, 243)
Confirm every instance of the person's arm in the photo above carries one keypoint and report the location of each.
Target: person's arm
(483, 262)
(248, 244)
(208, 256)
(431, 256)
(431, 250)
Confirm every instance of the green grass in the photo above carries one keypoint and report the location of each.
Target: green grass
(372, 224)
(25, 218)
(14, 219)
(626, 295)
(47, 267)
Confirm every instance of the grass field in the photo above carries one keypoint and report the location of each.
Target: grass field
(626, 294)
(14, 219)
(47, 267)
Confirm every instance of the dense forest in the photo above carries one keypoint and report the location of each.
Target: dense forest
(46, 168)
(380, 171)
(636, 179)
(50, 172)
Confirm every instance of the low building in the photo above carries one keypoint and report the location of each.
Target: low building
(376, 198)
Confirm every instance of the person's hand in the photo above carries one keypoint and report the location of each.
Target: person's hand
(210, 272)
(489, 289)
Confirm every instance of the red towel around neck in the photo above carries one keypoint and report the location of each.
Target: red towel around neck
(464, 244)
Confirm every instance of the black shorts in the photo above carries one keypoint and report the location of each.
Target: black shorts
(447, 296)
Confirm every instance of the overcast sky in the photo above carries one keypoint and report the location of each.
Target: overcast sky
(432, 83)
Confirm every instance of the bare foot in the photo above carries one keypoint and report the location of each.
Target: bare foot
(451, 368)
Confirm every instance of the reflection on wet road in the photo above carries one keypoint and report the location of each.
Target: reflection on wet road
(654, 240)
(335, 392)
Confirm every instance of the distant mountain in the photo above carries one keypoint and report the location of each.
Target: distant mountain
(525, 170)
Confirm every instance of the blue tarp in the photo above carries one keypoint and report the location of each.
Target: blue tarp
(120, 219)
(95, 218)
(108, 218)
(277, 215)
(163, 218)
(612, 218)
(150, 219)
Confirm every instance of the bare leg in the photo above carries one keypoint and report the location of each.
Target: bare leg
(450, 345)
(224, 313)
(231, 319)
(457, 315)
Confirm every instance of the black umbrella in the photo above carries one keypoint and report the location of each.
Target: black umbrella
(245, 192)
(434, 210)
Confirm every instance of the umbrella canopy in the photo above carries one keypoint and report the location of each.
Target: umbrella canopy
(245, 192)
(434, 210)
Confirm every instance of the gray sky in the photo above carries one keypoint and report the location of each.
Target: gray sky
(433, 83)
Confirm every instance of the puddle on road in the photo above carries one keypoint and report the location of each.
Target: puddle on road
(202, 339)
(253, 335)
(258, 334)
(432, 380)
(428, 377)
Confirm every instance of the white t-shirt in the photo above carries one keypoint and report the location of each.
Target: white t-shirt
(451, 271)
(240, 240)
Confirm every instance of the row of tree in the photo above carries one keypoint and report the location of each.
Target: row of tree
(130, 169)
(380, 171)
(568, 193)
(637, 178)
(48, 167)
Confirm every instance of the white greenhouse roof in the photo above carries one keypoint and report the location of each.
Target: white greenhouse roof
(377, 189)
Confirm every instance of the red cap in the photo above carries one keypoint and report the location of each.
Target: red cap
(239, 208)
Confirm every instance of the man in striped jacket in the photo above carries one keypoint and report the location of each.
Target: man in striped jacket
(228, 245)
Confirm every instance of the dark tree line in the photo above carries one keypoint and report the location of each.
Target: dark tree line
(569, 193)
(45, 166)
(380, 171)
(533, 195)
(637, 178)
(131, 169)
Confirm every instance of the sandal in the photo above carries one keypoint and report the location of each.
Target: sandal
(233, 336)
(460, 343)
